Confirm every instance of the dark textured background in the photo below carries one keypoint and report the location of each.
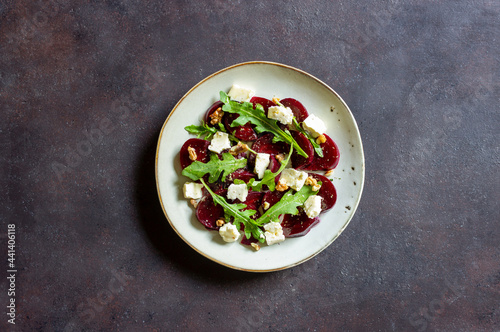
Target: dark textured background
(86, 86)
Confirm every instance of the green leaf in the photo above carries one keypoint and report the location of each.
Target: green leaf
(257, 117)
(204, 129)
(316, 146)
(214, 167)
(287, 205)
(268, 178)
(235, 211)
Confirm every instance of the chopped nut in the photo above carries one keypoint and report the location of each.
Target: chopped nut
(216, 116)
(321, 139)
(192, 153)
(266, 205)
(276, 100)
(329, 172)
(310, 181)
(239, 148)
(281, 186)
(255, 246)
(193, 202)
(220, 222)
(280, 157)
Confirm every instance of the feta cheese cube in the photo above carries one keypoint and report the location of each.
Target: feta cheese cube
(293, 178)
(240, 94)
(314, 125)
(219, 142)
(229, 232)
(274, 233)
(239, 191)
(261, 164)
(192, 190)
(312, 206)
(280, 113)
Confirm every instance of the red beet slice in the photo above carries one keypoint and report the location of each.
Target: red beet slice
(266, 103)
(253, 200)
(298, 161)
(200, 146)
(244, 133)
(241, 174)
(327, 191)
(264, 144)
(210, 110)
(330, 157)
(274, 164)
(208, 213)
(299, 225)
(272, 197)
(299, 111)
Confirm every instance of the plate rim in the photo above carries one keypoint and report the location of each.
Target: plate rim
(354, 207)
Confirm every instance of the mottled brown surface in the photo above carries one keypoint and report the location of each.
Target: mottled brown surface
(94, 251)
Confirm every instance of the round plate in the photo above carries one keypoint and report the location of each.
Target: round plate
(268, 79)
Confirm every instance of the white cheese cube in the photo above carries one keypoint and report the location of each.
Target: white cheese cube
(239, 191)
(293, 178)
(219, 142)
(274, 233)
(229, 232)
(314, 125)
(240, 94)
(280, 113)
(261, 164)
(312, 206)
(192, 190)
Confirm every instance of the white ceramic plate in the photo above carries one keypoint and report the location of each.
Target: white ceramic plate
(268, 79)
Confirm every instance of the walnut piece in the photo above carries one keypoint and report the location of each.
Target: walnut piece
(220, 222)
(321, 139)
(255, 246)
(281, 186)
(280, 157)
(216, 116)
(310, 181)
(276, 100)
(193, 202)
(239, 148)
(192, 153)
(266, 205)
(329, 172)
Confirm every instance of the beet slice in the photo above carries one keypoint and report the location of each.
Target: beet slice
(244, 133)
(264, 144)
(330, 157)
(298, 161)
(266, 103)
(299, 111)
(210, 110)
(327, 191)
(208, 213)
(253, 202)
(201, 148)
(241, 174)
(272, 197)
(298, 225)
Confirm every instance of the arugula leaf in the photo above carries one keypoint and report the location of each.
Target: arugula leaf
(287, 205)
(214, 167)
(204, 129)
(317, 148)
(257, 117)
(268, 178)
(240, 216)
